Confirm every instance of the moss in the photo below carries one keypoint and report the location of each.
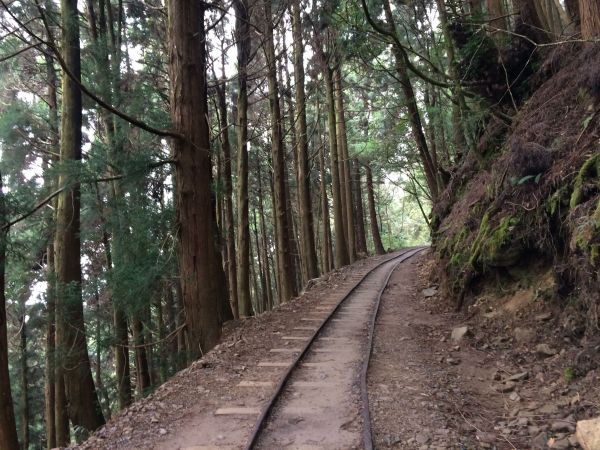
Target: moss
(590, 169)
(596, 216)
(558, 199)
(495, 247)
(476, 247)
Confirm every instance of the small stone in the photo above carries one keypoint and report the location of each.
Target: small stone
(588, 433)
(518, 376)
(545, 350)
(523, 335)
(540, 441)
(514, 397)
(508, 386)
(423, 437)
(548, 408)
(459, 333)
(453, 361)
(543, 317)
(487, 438)
(429, 292)
(162, 431)
(523, 421)
(561, 444)
(562, 425)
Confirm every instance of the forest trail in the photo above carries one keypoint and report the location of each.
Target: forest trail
(428, 386)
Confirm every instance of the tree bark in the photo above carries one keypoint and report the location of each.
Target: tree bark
(141, 358)
(459, 106)
(497, 14)
(373, 213)
(8, 427)
(284, 255)
(228, 203)
(341, 247)
(24, 379)
(84, 408)
(264, 239)
(359, 215)
(589, 11)
(327, 253)
(202, 277)
(242, 22)
(344, 159)
(309, 254)
(49, 370)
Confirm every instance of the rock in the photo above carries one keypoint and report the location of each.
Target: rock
(562, 425)
(518, 376)
(545, 350)
(162, 431)
(506, 387)
(548, 408)
(523, 421)
(539, 442)
(453, 361)
(423, 437)
(543, 317)
(487, 438)
(588, 433)
(559, 443)
(523, 335)
(459, 333)
(514, 397)
(429, 292)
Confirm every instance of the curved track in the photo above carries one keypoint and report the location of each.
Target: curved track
(322, 403)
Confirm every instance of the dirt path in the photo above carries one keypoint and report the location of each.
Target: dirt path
(426, 391)
(484, 390)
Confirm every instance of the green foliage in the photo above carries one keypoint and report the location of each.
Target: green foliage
(589, 172)
(569, 374)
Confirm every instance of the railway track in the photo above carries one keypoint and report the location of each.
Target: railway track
(330, 412)
(311, 389)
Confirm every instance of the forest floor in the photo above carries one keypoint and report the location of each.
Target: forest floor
(505, 383)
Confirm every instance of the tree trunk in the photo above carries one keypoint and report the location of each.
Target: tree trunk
(497, 15)
(84, 408)
(359, 215)
(49, 390)
(284, 255)
(8, 428)
(572, 7)
(49, 370)
(373, 214)
(341, 247)
(202, 278)
(309, 254)
(264, 238)
(529, 21)
(228, 203)
(327, 252)
(458, 105)
(141, 358)
(242, 30)
(344, 159)
(589, 11)
(24, 380)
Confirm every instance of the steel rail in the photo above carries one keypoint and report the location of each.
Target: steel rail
(265, 413)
